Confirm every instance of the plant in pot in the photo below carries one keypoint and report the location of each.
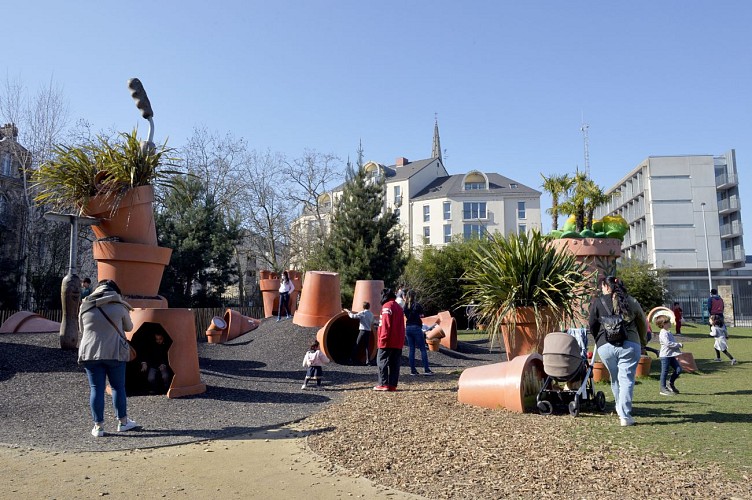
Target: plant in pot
(523, 287)
(101, 177)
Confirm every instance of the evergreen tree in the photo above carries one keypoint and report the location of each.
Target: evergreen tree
(364, 243)
(202, 241)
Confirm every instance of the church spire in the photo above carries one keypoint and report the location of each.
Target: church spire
(436, 141)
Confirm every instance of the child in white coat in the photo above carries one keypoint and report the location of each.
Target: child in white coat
(720, 333)
(314, 359)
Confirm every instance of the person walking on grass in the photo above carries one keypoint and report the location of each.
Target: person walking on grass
(391, 340)
(365, 329)
(314, 359)
(720, 333)
(414, 333)
(669, 352)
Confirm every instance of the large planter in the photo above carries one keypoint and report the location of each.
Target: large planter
(136, 268)
(368, 291)
(600, 372)
(643, 366)
(179, 326)
(232, 325)
(337, 339)
(448, 326)
(132, 221)
(320, 299)
(526, 337)
(269, 286)
(513, 385)
(599, 256)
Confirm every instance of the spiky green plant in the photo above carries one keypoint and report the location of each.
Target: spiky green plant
(101, 167)
(523, 271)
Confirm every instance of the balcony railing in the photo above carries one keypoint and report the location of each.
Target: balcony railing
(733, 254)
(728, 204)
(725, 178)
(731, 229)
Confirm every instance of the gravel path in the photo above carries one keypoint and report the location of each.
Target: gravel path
(253, 383)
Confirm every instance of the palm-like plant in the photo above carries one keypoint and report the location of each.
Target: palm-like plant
(101, 167)
(523, 271)
(557, 185)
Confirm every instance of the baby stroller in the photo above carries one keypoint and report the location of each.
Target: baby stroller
(564, 363)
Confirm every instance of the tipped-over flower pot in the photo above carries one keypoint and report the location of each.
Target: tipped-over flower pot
(513, 384)
(320, 299)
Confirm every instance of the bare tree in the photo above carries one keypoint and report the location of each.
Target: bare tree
(41, 120)
(268, 208)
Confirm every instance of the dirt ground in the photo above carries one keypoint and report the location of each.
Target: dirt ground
(269, 465)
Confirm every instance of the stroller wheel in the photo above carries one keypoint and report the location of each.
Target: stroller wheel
(574, 406)
(545, 407)
(600, 401)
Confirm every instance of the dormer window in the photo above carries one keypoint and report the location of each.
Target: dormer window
(475, 181)
(5, 164)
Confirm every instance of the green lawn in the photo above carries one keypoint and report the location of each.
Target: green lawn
(709, 421)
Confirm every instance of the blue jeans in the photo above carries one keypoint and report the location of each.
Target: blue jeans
(621, 363)
(415, 337)
(673, 363)
(98, 373)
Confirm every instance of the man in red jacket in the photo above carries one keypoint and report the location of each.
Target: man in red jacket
(391, 339)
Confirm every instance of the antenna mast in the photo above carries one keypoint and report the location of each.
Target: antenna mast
(584, 129)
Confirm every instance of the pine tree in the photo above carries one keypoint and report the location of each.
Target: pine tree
(364, 243)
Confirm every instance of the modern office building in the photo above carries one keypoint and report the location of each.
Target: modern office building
(684, 216)
(434, 206)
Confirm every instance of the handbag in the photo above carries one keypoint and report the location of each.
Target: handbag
(131, 350)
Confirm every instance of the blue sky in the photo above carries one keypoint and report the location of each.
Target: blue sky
(509, 80)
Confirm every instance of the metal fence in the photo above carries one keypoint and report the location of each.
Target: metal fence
(203, 316)
(695, 308)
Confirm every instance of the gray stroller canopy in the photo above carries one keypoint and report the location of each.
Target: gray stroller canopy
(562, 356)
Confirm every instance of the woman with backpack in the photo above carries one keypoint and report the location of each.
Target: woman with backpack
(619, 327)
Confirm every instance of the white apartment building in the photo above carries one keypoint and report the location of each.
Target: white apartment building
(434, 206)
(684, 216)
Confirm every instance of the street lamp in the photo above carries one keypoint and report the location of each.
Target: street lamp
(707, 247)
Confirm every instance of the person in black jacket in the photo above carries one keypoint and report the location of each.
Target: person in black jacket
(155, 363)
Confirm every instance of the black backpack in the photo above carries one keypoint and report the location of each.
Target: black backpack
(612, 325)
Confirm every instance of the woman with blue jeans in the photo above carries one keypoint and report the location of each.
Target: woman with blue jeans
(620, 360)
(103, 320)
(414, 333)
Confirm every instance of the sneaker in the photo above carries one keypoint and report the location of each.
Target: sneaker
(666, 392)
(428, 373)
(626, 422)
(303, 386)
(391, 388)
(733, 362)
(288, 316)
(415, 372)
(382, 388)
(717, 360)
(97, 431)
(128, 425)
(279, 319)
(673, 389)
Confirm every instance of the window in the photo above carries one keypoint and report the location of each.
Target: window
(426, 235)
(513, 186)
(397, 213)
(447, 233)
(426, 213)
(471, 231)
(397, 196)
(3, 206)
(447, 210)
(474, 210)
(5, 167)
(521, 228)
(520, 209)
(474, 185)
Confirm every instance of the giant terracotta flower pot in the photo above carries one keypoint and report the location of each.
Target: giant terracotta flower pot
(269, 286)
(320, 299)
(599, 256)
(337, 339)
(132, 221)
(448, 325)
(368, 291)
(600, 372)
(643, 366)
(513, 384)
(136, 268)
(179, 326)
(525, 337)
